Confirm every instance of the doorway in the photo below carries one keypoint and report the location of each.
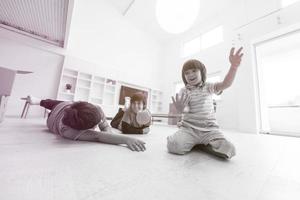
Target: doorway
(278, 70)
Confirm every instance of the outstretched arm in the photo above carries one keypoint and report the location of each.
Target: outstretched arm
(108, 138)
(235, 60)
(132, 143)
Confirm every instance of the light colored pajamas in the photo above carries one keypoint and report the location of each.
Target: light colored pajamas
(185, 139)
(199, 125)
(55, 125)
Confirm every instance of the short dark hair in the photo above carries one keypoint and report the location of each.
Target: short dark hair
(81, 116)
(194, 64)
(139, 97)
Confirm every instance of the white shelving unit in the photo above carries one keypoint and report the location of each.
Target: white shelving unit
(156, 101)
(68, 77)
(100, 91)
(87, 87)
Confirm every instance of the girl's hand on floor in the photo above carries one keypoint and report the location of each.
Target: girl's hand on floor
(135, 144)
(180, 103)
(235, 59)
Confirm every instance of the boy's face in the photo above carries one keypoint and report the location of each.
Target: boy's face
(137, 106)
(193, 76)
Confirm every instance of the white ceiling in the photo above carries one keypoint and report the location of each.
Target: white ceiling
(41, 19)
(121, 5)
(142, 13)
(48, 19)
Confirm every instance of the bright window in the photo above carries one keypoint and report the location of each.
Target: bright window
(285, 3)
(278, 70)
(206, 40)
(279, 66)
(212, 37)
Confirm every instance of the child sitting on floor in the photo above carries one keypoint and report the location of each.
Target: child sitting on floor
(77, 121)
(135, 119)
(199, 126)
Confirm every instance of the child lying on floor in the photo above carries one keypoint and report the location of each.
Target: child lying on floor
(199, 126)
(135, 119)
(77, 121)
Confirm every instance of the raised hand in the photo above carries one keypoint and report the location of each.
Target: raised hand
(235, 58)
(181, 102)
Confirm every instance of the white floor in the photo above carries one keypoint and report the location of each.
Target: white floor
(37, 165)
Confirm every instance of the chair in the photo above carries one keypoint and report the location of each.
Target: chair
(26, 107)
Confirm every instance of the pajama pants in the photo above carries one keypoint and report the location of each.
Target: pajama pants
(115, 122)
(49, 104)
(212, 142)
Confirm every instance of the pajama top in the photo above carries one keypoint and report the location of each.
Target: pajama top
(199, 112)
(55, 125)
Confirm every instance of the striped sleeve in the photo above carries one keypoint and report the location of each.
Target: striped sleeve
(212, 88)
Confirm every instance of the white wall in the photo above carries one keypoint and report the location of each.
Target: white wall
(100, 40)
(99, 34)
(105, 43)
(238, 108)
(43, 83)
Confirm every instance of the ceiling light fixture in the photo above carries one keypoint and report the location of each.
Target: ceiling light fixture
(176, 16)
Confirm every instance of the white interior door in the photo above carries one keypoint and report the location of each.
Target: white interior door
(278, 66)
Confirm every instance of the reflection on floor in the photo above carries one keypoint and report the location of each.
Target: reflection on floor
(37, 165)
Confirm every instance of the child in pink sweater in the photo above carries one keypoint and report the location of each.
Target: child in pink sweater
(78, 120)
